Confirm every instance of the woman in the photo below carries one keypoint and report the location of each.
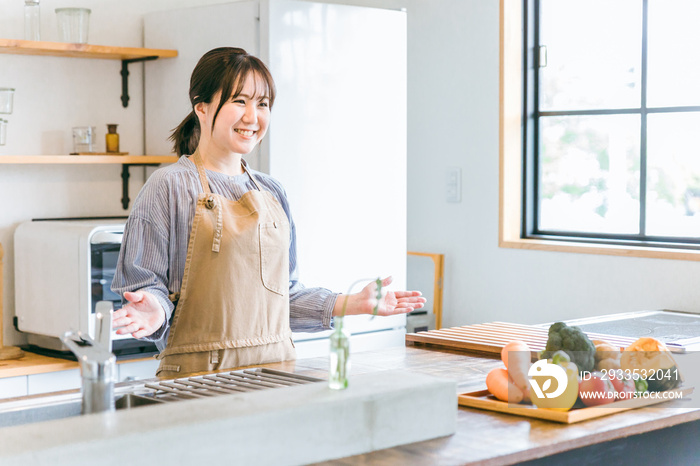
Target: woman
(208, 261)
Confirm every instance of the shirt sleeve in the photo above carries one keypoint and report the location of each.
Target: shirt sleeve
(143, 263)
(310, 309)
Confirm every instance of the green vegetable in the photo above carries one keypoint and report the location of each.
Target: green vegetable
(378, 281)
(640, 385)
(560, 357)
(573, 342)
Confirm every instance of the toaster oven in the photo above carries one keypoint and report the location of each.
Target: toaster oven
(63, 268)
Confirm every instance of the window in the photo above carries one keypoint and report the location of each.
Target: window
(611, 132)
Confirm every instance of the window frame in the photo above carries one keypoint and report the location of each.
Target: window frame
(513, 163)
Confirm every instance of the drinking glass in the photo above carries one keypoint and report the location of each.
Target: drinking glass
(3, 131)
(73, 24)
(83, 139)
(6, 94)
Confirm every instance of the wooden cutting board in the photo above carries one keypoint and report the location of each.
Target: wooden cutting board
(491, 337)
(484, 400)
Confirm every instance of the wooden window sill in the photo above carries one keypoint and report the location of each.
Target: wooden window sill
(604, 249)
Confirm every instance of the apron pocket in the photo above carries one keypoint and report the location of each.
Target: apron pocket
(274, 264)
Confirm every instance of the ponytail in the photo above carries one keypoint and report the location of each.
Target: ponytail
(185, 137)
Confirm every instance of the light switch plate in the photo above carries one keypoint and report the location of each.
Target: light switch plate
(453, 185)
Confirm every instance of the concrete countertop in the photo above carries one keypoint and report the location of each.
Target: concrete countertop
(291, 425)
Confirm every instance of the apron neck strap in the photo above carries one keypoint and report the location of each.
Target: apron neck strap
(252, 178)
(197, 159)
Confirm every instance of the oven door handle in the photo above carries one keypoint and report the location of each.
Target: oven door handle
(105, 237)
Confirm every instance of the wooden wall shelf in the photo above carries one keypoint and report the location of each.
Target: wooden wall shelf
(126, 162)
(127, 55)
(87, 159)
(61, 49)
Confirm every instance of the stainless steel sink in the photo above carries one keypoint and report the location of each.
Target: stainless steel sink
(27, 411)
(133, 400)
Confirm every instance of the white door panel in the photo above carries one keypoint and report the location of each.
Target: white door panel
(338, 137)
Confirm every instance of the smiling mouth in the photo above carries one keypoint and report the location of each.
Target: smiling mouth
(245, 132)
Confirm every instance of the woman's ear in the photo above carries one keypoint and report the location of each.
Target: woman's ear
(199, 109)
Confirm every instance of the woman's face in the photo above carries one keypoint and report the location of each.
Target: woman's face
(242, 121)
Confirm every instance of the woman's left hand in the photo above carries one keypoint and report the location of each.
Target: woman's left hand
(364, 302)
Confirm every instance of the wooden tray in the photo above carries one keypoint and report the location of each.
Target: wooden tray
(484, 400)
(491, 337)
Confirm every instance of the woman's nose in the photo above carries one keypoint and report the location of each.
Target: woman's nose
(251, 114)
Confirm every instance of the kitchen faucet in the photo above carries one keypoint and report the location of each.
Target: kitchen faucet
(98, 366)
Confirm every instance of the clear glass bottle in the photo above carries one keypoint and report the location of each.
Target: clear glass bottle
(112, 138)
(32, 20)
(339, 370)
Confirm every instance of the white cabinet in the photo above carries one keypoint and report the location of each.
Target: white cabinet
(53, 381)
(48, 382)
(137, 370)
(13, 386)
(319, 347)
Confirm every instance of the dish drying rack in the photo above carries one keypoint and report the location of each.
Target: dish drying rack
(223, 383)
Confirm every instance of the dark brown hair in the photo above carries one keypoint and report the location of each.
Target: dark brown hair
(222, 69)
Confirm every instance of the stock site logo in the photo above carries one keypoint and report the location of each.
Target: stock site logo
(543, 372)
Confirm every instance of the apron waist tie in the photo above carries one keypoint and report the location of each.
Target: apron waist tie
(228, 344)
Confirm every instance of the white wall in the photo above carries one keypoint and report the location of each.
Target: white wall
(453, 121)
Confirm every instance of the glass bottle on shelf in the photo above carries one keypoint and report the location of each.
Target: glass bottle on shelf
(112, 138)
(3, 131)
(32, 20)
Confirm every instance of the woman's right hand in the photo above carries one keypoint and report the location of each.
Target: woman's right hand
(141, 316)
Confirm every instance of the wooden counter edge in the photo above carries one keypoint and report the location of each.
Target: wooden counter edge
(32, 364)
(590, 440)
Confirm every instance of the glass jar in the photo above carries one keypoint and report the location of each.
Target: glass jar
(6, 95)
(3, 131)
(112, 138)
(32, 20)
(83, 139)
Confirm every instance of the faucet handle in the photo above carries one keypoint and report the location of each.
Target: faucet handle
(103, 324)
(69, 339)
(95, 361)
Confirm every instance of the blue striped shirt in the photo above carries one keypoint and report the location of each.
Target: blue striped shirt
(154, 247)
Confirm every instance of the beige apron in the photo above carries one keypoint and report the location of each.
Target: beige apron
(233, 306)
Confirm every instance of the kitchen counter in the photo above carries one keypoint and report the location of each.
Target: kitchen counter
(484, 437)
(31, 363)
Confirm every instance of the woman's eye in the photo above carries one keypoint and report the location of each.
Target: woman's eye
(264, 104)
(239, 101)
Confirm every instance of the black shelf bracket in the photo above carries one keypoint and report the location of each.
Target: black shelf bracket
(125, 180)
(125, 77)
